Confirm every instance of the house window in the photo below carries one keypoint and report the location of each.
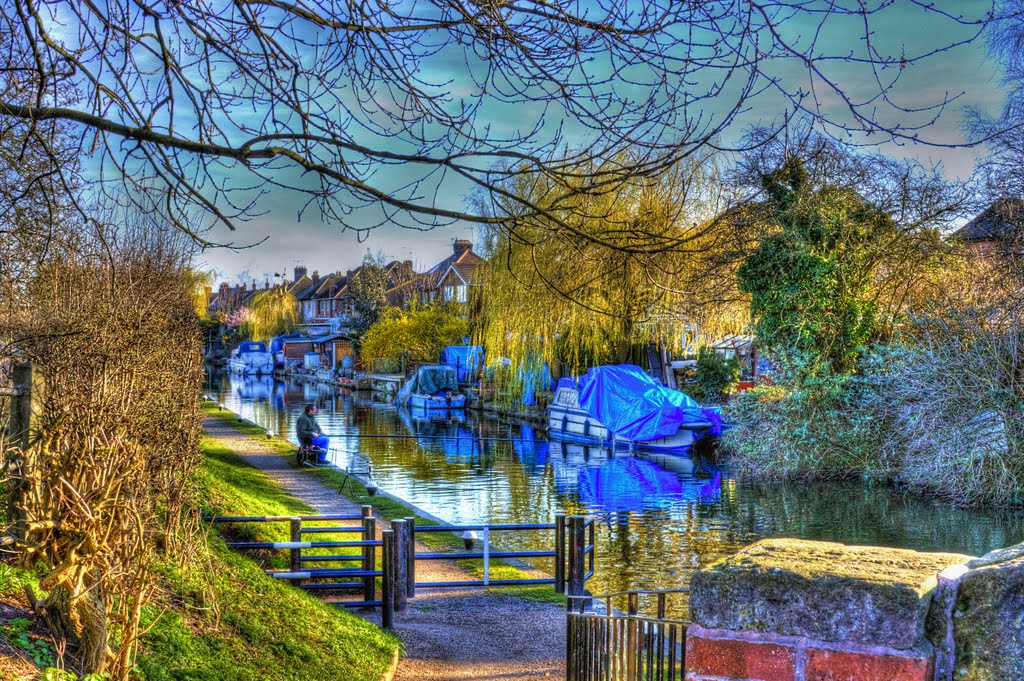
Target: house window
(460, 294)
(449, 293)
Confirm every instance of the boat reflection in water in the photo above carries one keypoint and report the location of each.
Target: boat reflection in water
(604, 481)
(253, 388)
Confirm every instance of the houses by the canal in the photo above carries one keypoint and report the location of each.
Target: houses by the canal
(326, 302)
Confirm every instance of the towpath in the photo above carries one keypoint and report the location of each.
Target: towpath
(449, 635)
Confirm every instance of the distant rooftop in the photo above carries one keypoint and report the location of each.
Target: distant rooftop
(1003, 220)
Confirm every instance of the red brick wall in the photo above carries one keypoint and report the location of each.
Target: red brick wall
(720, 655)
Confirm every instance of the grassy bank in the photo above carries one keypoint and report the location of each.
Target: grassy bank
(228, 620)
(219, 617)
(390, 508)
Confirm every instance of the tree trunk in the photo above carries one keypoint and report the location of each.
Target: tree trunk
(78, 615)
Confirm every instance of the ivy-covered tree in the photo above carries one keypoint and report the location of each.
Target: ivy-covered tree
(812, 282)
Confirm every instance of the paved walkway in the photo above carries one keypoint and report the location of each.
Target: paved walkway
(448, 635)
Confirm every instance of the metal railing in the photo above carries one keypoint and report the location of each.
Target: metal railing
(572, 551)
(616, 646)
(362, 579)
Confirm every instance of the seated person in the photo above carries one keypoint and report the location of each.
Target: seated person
(310, 433)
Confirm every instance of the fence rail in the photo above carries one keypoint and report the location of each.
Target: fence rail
(361, 579)
(613, 646)
(573, 563)
(573, 554)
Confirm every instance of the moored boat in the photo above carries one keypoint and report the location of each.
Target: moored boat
(621, 406)
(432, 387)
(251, 358)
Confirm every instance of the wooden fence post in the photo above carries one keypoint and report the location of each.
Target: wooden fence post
(560, 553)
(296, 554)
(577, 555)
(26, 404)
(632, 634)
(401, 566)
(411, 555)
(369, 552)
(387, 587)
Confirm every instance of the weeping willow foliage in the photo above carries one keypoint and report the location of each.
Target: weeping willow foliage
(272, 313)
(648, 262)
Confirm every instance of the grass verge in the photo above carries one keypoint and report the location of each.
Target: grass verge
(225, 619)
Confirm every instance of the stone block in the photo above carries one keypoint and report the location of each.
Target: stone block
(841, 665)
(988, 620)
(821, 590)
(736, 659)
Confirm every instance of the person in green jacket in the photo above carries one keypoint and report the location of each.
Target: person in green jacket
(310, 433)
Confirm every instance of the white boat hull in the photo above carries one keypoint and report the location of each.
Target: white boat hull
(252, 364)
(418, 401)
(567, 422)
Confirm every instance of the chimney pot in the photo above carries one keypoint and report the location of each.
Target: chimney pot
(461, 246)
(300, 272)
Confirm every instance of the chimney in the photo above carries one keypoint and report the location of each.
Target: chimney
(300, 272)
(461, 246)
(408, 264)
(316, 275)
(254, 286)
(348, 276)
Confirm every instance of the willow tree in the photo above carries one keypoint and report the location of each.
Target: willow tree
(272, 313)
(583, 295)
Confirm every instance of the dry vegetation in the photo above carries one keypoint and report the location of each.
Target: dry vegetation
(103, 487)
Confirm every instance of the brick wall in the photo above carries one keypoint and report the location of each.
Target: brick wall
(722, 655)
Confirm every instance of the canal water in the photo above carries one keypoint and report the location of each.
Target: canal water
(659, 518)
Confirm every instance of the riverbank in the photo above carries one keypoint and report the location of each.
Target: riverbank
(447, 634)
(218, 616)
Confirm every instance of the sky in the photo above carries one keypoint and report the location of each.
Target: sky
(279, 240)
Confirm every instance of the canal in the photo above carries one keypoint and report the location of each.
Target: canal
(659, 518)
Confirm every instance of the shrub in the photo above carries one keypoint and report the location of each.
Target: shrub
(783, 432)
(716, 376)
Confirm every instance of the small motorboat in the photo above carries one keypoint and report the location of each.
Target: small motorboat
(621, 406)
(251, 358)
(432, 387)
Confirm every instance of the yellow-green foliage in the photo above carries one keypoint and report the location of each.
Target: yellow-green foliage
(595, 275)
(272, 313)
(419, 334)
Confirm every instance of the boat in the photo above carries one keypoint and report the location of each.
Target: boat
(432, 387)
(251, 358)
(621, 406)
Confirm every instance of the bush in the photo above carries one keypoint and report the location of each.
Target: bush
(954, 396)
(941, 413)
(716, 376)
(782, 432)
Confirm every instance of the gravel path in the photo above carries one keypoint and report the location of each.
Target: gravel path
(447, 634)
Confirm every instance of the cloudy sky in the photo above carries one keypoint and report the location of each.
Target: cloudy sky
(279, 240)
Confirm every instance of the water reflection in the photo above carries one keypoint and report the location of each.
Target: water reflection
(660, 518)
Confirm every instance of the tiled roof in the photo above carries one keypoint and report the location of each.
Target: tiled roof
(1004, 219)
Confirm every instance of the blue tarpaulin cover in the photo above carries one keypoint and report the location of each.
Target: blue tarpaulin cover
(431, 379)
(629, 402)
(465, 358)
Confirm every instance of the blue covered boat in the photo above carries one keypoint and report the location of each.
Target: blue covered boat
(432, 387)
(251, 358)
(621, 406)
